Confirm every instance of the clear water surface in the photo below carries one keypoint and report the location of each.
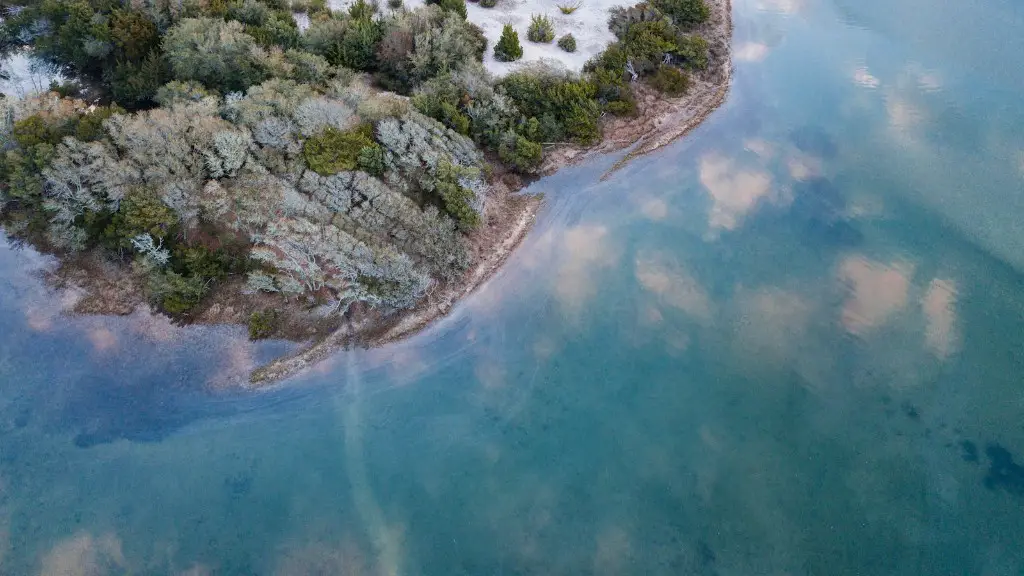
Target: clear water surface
(792, 343)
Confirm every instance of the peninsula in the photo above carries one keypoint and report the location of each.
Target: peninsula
(331, 174)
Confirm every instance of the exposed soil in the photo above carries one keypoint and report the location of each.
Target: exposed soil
(103, 287)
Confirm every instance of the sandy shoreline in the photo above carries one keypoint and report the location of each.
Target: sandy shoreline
(509, 216)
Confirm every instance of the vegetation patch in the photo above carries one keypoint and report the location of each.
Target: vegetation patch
(567, 43)
(669, 80)
(569, 8)
(263, 324)
(332, 150)
(541, 29)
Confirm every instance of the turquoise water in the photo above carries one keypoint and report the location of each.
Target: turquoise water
(792, 343)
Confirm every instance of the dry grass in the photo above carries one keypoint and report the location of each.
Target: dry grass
(569, 8)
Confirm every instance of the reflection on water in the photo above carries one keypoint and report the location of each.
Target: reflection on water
(790, 343)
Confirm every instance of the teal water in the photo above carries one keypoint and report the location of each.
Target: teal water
(792, 343)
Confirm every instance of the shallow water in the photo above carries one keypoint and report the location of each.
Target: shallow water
(791, 343)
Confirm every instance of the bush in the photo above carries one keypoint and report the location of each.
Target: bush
(684, 13)
(691, 52)
(622, 18)
(519, 152)
(262, 324)
(560, 106)
(425, 43)
(278, 30)
(135, 84)
(670, 80)
(333, 150)
(457, 199)
(395, 4)
(362, 10)
(488, 3)
(215, 53)
(454, 6)
(141, 212)
(567, 43)
(508, 48)
(541, 29)
(174, 293)
(200, 262)
(646, 43)
(440, 99)
(348, 42)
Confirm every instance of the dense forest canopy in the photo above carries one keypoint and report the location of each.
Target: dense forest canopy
(199, 140)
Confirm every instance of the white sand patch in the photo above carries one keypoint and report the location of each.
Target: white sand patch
(588, 24)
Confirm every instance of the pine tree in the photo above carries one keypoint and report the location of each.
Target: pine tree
(508, 48)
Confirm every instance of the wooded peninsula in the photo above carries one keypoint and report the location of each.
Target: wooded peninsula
(334, 177)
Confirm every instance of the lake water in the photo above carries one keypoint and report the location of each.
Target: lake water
(792, 343)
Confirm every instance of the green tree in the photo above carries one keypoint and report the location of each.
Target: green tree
(508, 48)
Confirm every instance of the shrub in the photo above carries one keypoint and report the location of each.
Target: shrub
(508, 48)
(180, 92)
(519, 152)
(458, 200)
(622, 18)
(349, 42)
(215, 53)
(333, 150)
(570, 8)
(440, 99)
(395, 4)
(277, 30)
(541, 29)
(141, 212)
(307, 68)
(646, 43)
(249, 12)
(134, 84)
(488, 3)
(567, 43)
(684, 13)
(670, 80)
(262, 324)
(371, 160)
(454, 6)
(692, 52)
(200, 262)
(560, 105)
(310, 6)
(174, 293)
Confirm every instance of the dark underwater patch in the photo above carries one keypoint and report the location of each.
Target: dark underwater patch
(970, 451)
(1003, 472)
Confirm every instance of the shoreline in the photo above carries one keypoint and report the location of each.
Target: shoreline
(662, 121)
(659, 121)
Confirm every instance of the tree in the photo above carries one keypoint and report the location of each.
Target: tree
(508, 48)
